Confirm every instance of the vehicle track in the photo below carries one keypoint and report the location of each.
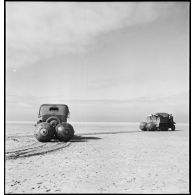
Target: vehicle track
(22, 148)
(39, 148)
(35, 149)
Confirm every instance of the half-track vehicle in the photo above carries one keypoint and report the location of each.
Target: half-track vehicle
(52, 123)
(160, 121)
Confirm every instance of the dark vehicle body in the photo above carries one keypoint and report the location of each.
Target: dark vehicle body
(60, 111)
(159, 121)
(52, 123)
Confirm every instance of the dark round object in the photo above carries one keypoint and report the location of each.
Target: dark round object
(44, 132)
(52, 119)
(64, 131)
(53, 123)
(142, 126)
(173, 127)
(163, 127)
(151, 126)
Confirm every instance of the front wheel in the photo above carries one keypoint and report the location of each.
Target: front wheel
(173, 128)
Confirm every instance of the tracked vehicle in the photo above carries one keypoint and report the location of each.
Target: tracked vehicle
(52, 123)
(158, 122)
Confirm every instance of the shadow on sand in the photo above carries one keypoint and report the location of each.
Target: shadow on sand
(179, 130)
(79, 138)
(109, 132)
(84, 137)
(119, 132)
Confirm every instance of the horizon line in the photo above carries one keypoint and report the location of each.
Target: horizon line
(92, 122)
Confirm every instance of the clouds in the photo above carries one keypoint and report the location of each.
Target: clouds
(119, 58)
(37, 30)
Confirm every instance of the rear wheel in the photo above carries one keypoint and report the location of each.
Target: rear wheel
(142, 126)
(151, 126)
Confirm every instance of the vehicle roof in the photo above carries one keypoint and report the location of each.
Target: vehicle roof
(163, 114)
(53, 105)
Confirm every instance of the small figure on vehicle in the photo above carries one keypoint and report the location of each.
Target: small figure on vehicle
(52, 123)
(159, 121)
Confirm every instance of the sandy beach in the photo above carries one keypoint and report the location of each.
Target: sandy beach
(103, 67)
(104, 162)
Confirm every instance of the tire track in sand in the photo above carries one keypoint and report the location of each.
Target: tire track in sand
(35, 149)
(39, 148)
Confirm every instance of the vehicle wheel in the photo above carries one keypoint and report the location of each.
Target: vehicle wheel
(142, 126)
(44, 132)
(151, 126)
(173, 127)
(163, 127)
(53, 120)
(64, 132)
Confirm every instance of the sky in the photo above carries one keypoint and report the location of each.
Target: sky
(108, 61)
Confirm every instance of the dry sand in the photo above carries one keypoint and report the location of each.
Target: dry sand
(123, 162)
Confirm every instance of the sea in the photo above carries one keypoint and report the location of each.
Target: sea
(23, 128)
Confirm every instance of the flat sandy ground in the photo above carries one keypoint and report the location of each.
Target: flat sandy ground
(123, 162)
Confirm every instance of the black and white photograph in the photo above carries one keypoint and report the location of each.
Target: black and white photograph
(97, 97)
